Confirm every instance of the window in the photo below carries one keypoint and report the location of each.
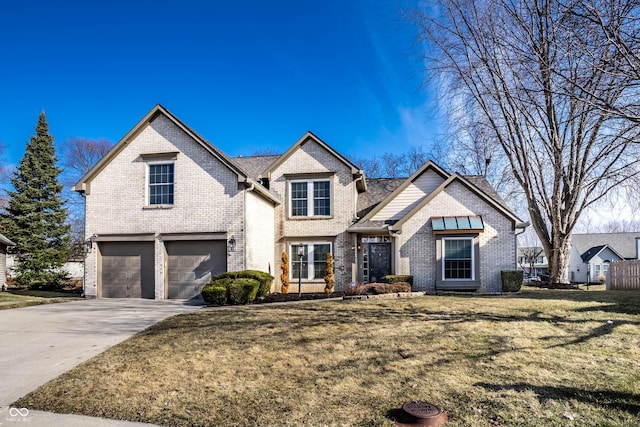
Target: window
(457, 262)
(314, 263)
(600, 269)
(161, 184)
(310, 198)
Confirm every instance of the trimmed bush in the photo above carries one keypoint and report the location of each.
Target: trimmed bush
(243, 291)
(264, 279)
(284, 277)
(511, 280)
(395, 278)
(329, 279)
(216, 292)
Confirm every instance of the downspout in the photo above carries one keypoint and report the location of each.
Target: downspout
(523, 226)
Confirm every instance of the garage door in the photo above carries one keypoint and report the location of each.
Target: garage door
(127, 270)
(191, 265)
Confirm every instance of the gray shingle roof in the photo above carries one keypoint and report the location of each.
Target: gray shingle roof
(623, 243)
(254, 166)
(482, 183)
(377, 190)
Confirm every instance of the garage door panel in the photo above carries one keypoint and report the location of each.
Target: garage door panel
(191, 264)
(127, 270)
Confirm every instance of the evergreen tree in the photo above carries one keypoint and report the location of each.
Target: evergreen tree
(35, 217)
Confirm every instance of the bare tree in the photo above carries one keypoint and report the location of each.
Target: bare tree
(521, 67)
(81, 154)
(78, 156)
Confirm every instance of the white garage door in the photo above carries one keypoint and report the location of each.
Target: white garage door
(191, 264)
(127, 270)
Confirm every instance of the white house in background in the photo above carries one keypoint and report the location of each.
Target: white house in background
(4, 243)
(591, 253)
(540, 265)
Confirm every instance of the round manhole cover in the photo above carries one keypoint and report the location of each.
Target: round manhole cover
(426, 413)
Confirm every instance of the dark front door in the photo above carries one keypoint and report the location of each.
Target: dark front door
(379, 261)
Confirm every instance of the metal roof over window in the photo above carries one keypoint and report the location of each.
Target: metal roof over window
(457, 224)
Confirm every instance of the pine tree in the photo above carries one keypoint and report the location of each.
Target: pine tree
(35, 218)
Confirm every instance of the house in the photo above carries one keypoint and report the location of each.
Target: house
(532, 261)
(591, 254)
(166, 210)
(4, 243)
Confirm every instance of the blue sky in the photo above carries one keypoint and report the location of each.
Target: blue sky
(244, 74)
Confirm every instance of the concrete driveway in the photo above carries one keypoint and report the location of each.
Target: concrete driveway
(39, 343)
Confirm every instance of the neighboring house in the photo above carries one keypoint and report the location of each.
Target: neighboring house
(74, 269)
(166, 210)
(540, 264)
(4, 243)
(591, 254)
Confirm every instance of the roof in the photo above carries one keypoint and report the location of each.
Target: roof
(377, 190)
(255, 165)
(482, 183)
(5, 241)
(624, 244)
(592, 252)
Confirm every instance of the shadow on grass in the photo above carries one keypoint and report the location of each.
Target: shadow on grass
(624, 302)
(606, 399)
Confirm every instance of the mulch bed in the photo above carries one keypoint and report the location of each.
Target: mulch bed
(276, 297)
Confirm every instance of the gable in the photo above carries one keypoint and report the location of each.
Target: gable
(409, 196)
(465, 196)
(312, 155)
(161, 117)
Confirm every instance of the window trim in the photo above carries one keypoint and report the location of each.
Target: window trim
(473, 259)
(148, 183)
(310, 197)
(310, 271)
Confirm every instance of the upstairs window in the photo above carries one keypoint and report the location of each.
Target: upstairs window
(161, 180)
(310, 198)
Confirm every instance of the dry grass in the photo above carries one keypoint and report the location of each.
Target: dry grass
(539, 358)
(25, 298)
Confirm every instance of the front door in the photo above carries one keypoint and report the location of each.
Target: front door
(379, 261)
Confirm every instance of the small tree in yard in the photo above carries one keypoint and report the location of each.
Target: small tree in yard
(329, 279)
(284, 277)
(35, 219)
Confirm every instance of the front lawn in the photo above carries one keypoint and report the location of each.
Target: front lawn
(536, 359)
(23, 298)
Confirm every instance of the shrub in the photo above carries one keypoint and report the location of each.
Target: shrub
(511, 280)
(284, 277)
(388, 288)
(243, 291)
(216, 292)
(395, 278)
(264, 279)
(329, 279)
(376, 288)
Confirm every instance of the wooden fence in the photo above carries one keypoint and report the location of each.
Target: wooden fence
(624, 275)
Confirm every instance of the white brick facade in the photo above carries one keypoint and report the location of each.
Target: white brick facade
(212, 197)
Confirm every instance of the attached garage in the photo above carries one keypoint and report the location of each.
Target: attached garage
(127, 270)
(192, 263)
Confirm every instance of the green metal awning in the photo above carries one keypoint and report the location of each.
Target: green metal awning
(446, 224)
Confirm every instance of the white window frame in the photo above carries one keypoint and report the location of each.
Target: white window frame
(148, 182)
(310, 198)
(473, 259)
(310, 271)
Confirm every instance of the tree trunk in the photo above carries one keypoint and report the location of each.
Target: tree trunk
(559, 260)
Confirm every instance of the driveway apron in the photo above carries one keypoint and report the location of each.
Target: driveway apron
(39, 343)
